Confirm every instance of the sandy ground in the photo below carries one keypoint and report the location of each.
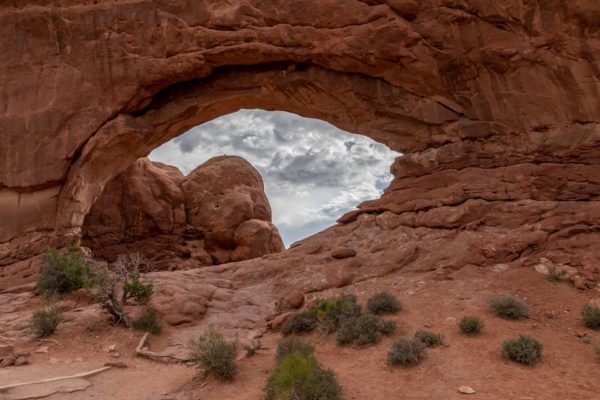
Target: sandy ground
(569, 369)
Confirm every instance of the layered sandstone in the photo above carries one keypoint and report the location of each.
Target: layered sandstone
(217, 213)
(495, 105)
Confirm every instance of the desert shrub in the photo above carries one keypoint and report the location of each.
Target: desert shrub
(45, 321)
(471, 325)
(148, 322)
(215, 355)
(509, 307)
(293, 344)
(387, 327)
(303, 321)
(330, 313)
(137, 290)
(555, 274)
(383, 302)
(362, 330)
(298, 375)
(406, 352)
(64, 271)
(591, 316)
(524, 349)
(429, 338)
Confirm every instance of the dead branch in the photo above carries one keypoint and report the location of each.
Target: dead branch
(160, 357)
(59, 378)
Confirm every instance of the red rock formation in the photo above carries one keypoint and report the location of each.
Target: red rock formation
(218, 213)
(496, 106)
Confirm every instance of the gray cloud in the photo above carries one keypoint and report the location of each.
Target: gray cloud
(313, 171)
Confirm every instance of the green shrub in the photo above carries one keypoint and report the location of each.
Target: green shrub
(524, 349)
(137, 290)
(148, 322)
(215, 355)
(64, 271)
(509, 307)
(554, 274)
(293, 344)
(591, 316)
(361, 331)
(331, 312)
(388, 327)
(429, 338)
(303, 321)
(406, 352)
(45, 321)
(383, 302)
(471, 325)
(299, 376)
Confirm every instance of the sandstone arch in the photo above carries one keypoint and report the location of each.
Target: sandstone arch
(462, 87)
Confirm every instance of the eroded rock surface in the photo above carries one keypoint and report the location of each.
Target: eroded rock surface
(495, 105)
(218, 213)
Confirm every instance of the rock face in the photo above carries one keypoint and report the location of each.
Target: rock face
(218, 213)
(495, 105)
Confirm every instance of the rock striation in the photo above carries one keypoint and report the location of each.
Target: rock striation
(495, 105)
(216, 214)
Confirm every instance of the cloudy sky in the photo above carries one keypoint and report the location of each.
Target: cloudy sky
(313, 171)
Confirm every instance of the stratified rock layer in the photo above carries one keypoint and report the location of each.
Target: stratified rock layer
(218, 213)
(495, 105)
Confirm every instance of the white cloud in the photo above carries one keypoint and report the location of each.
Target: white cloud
(313, 171)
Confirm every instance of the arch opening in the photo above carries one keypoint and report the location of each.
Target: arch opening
(313, 173)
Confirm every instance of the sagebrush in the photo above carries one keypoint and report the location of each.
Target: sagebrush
(406, 352)
(300, 322)
(293, 344)
(298, 375)
(64, 271)
(524, 349)
(383, 302)
(45, 321)
(215, 355)
(362, 330)
(471, 325)
(429, 338)
(591, 316)
(509, 307)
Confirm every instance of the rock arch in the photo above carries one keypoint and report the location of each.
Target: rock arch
(466, 89)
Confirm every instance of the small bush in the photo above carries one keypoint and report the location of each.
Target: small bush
(137, 290)
(293, 344)
(591, 316)
(330, 313)
(64, 271)
(388, 327)
(406, 352)
(554, 274)
(299, 323)
(148, 322)
(429, 338)
(471, 325)
(45, 321)
(299, 376)
(524, 349)
(383, 302)
(361, 331)
(252, 347)
(509, 307)
(215, 355)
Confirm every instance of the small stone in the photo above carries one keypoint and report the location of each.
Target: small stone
(115, 354)
(466, 390)
(111, 348)
(21, 361)
(42, 349)
(277, 322)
